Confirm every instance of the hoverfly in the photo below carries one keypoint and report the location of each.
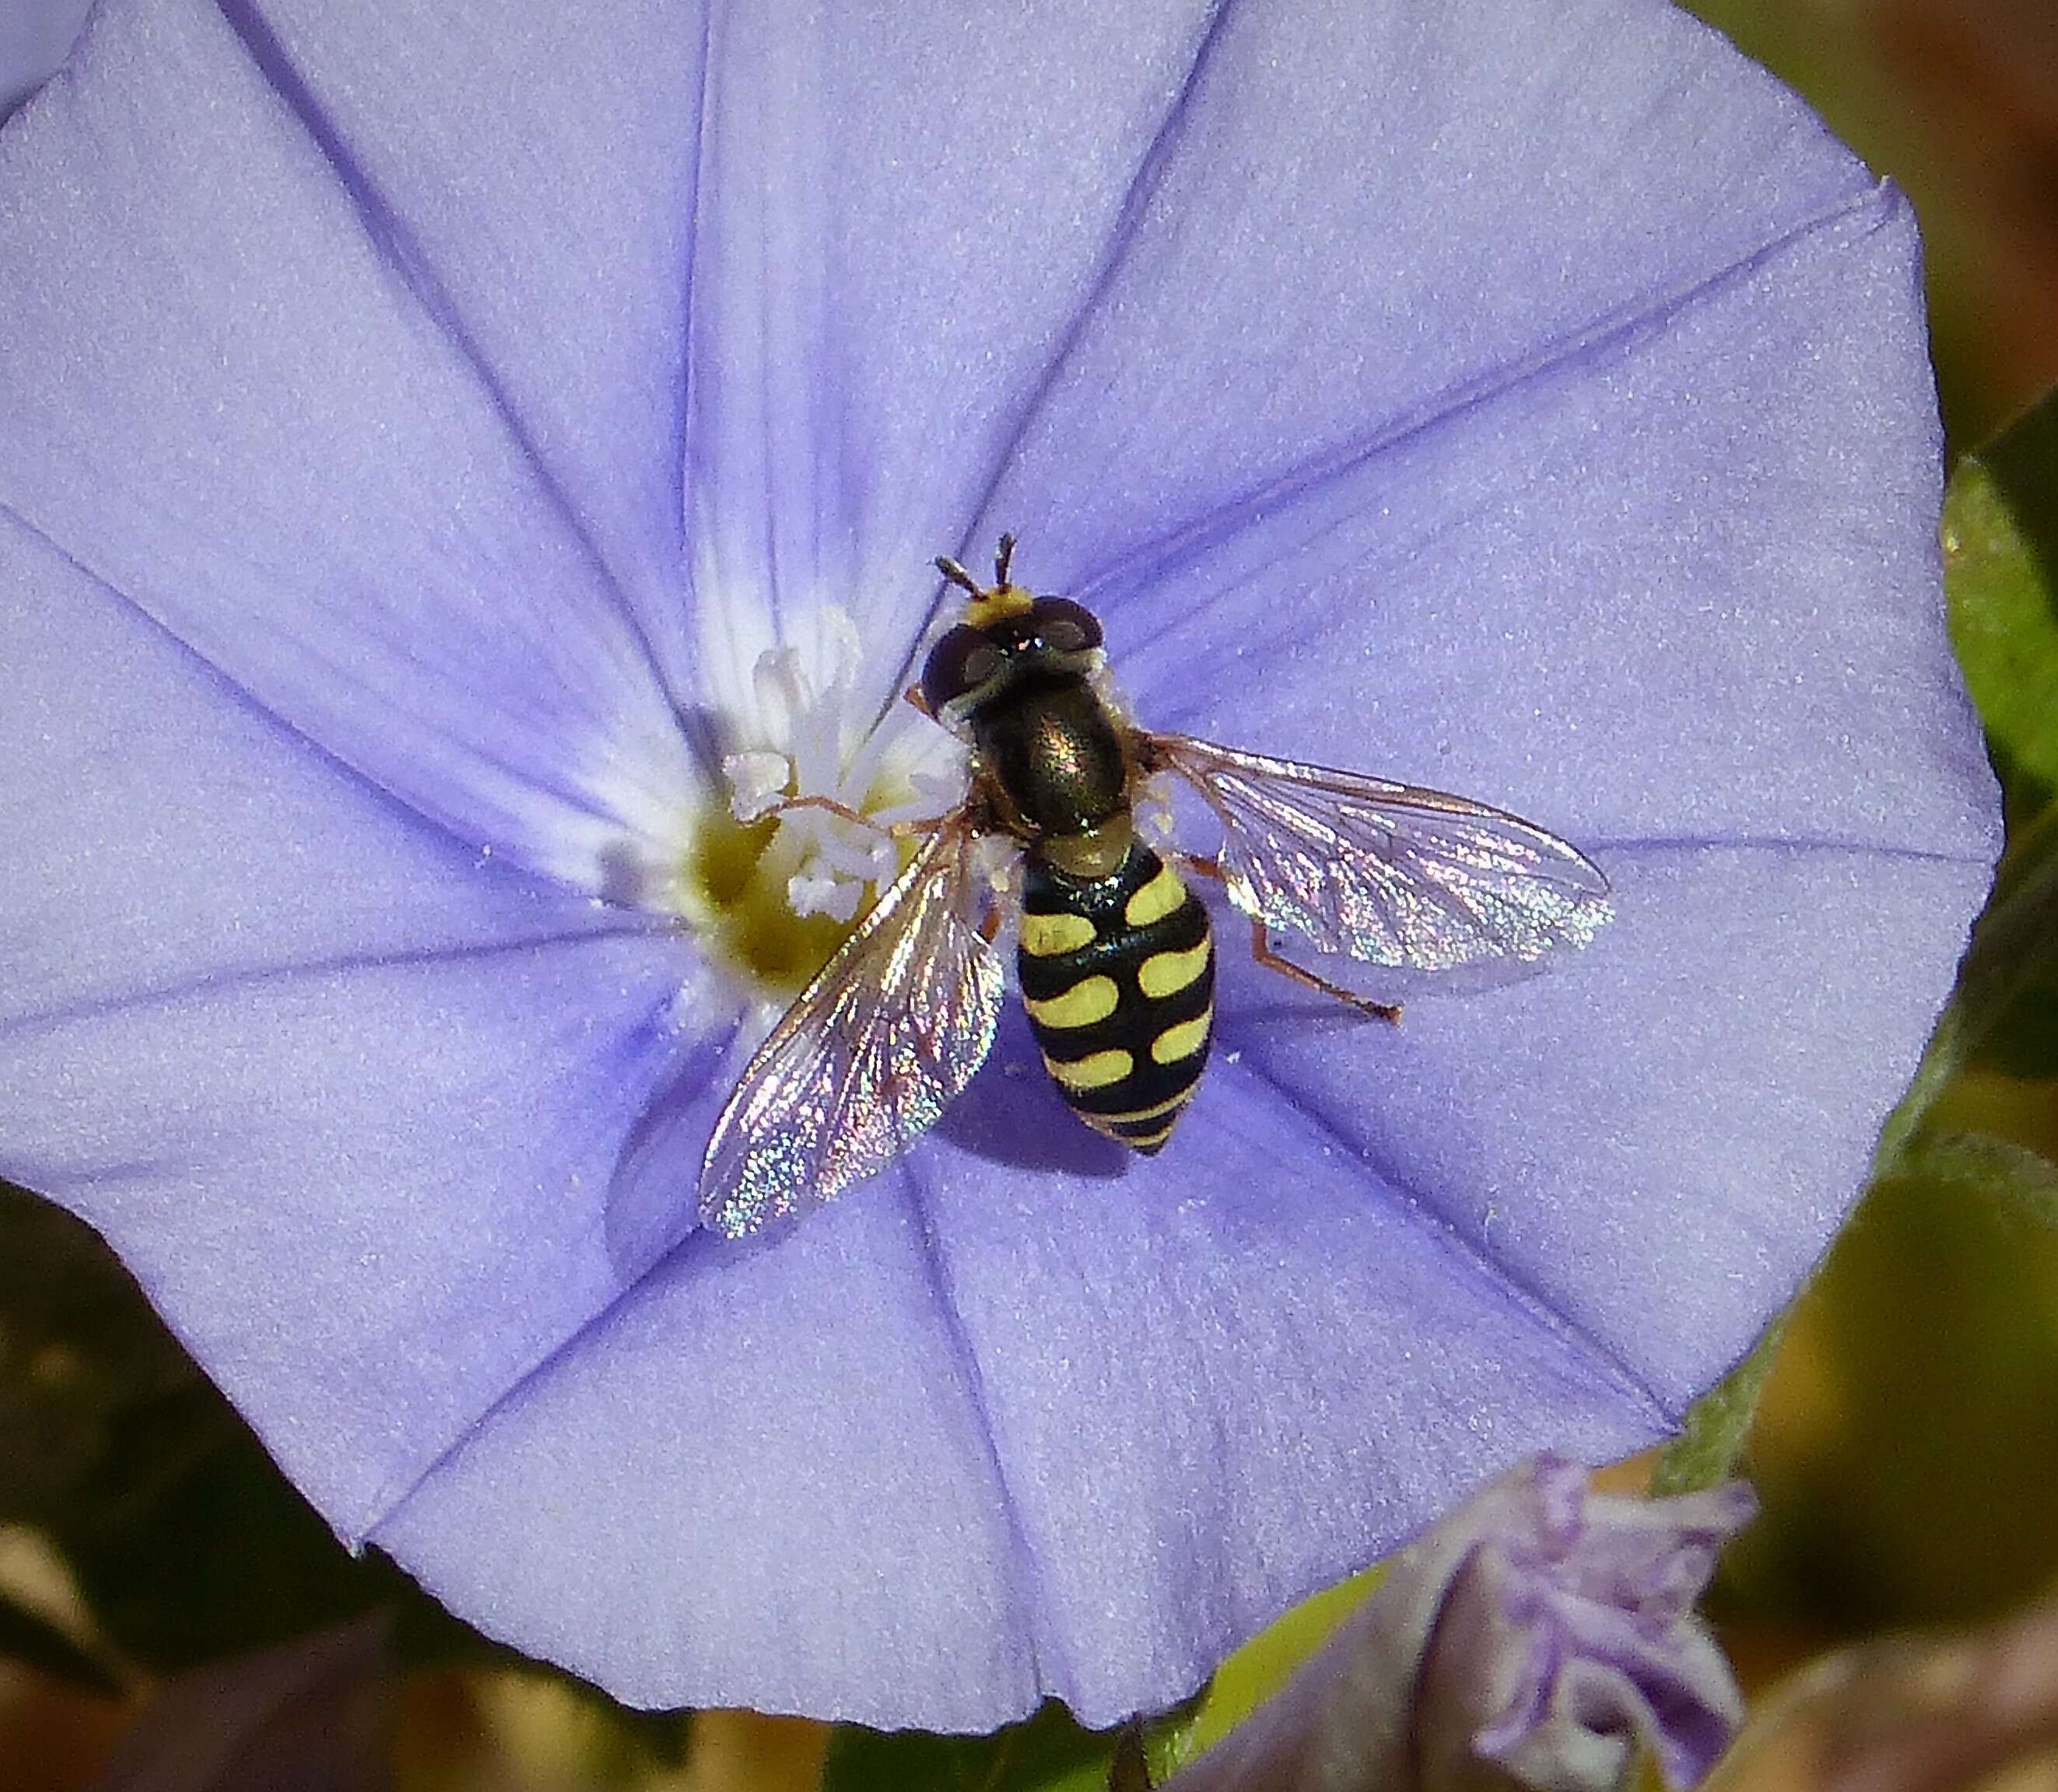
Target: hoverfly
(1115, 956)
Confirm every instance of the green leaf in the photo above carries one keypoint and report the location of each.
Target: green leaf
(1049, 1752)
(1718, 1425)
(1933, 1347)
(1984, 1166)
(2004, 1013)
(2008, 987)
(1254, 1673)
(2000, 548)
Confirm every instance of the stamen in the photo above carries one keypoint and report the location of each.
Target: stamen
(757, 781)
(776, 880)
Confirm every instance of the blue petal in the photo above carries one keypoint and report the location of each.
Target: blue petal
(35, 37)
(1656, 1137)
(1361, 212)
(230, 395)
(762, 1479)
(904, 211)
(1070, 1433)
(346, 1097)
(535, 183)
(1223, 1378)
(1646, 588)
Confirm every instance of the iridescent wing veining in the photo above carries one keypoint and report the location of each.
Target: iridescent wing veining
(1389, 874)
(870, 1053)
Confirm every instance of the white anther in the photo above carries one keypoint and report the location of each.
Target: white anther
(836, 897)
(758, 783)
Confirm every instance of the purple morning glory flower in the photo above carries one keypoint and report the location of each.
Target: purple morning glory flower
(448, 462)
(1541, 1635)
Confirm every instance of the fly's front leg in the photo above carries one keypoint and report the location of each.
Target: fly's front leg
(779, 805)
(893, 830)
(1260, 949)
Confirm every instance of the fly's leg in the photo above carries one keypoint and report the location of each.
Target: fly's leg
(893, 830)
(778, 805)
(1260, 949)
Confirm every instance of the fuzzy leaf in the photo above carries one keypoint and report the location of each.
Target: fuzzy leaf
(1989, 1166)
(1718, 1425)
(2001, 545)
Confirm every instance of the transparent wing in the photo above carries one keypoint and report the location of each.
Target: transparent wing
(870, 1053)
(1388, 873)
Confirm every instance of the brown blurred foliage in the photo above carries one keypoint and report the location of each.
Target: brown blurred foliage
(1957, 100)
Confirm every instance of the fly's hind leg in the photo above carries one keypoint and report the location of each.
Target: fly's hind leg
(1260, 949)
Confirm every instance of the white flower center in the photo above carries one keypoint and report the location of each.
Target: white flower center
(776, 881)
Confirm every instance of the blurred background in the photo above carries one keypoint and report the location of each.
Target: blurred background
(1906, 1448)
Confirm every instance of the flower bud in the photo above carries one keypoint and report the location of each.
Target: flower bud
(1538, 1636)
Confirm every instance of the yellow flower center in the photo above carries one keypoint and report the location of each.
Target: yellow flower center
(734, 892)
(771, 886)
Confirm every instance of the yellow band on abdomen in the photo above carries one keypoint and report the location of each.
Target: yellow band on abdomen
(1156, 900)
(1051, 935)
(1096, 1071)
(1152, 1112)
(1137, 1141)
(1182, 1041)
(1167, 973)
(1089, 1000)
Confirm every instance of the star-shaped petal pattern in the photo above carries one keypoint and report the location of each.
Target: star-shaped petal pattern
(417, 428)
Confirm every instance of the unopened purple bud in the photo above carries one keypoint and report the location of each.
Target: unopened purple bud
(1539, 1634)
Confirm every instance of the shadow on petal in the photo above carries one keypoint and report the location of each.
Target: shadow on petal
(650, 1199)
(1011, 1113)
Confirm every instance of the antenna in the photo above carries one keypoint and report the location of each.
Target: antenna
(956, 573)
(1003, 556)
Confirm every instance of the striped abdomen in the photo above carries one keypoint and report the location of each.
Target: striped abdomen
(1119, 977)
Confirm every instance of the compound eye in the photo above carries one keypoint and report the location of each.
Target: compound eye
(962, 660)
(1066, 626)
